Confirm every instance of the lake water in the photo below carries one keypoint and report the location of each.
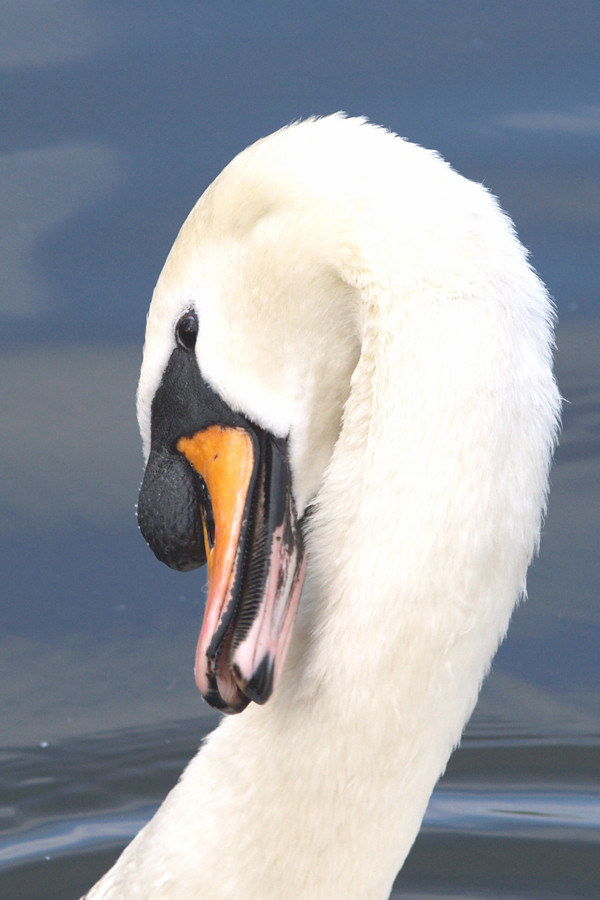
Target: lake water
(114, 118)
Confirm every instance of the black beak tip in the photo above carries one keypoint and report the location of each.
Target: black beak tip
(260, 687)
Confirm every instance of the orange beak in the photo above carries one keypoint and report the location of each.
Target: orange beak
(255, 558)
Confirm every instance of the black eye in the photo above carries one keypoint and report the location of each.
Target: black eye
(186, 331)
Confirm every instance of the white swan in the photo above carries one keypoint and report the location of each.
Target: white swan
(364, 322)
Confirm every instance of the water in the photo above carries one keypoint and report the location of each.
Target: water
(514, 816)
(114, 117)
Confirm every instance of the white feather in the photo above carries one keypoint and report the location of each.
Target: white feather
(355, 292)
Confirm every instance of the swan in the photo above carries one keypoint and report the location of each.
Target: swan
(348, 409)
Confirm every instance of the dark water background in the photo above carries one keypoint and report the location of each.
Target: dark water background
(114, 116)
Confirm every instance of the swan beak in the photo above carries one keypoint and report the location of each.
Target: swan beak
(255, 556)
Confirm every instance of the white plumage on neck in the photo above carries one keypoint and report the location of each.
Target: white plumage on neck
(356, 293)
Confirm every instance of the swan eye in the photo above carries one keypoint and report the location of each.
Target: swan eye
(186, 331)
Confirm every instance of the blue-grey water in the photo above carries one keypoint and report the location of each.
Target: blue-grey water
(113, 118)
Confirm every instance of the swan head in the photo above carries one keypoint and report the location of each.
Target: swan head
(307, 244)
(251, 339)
